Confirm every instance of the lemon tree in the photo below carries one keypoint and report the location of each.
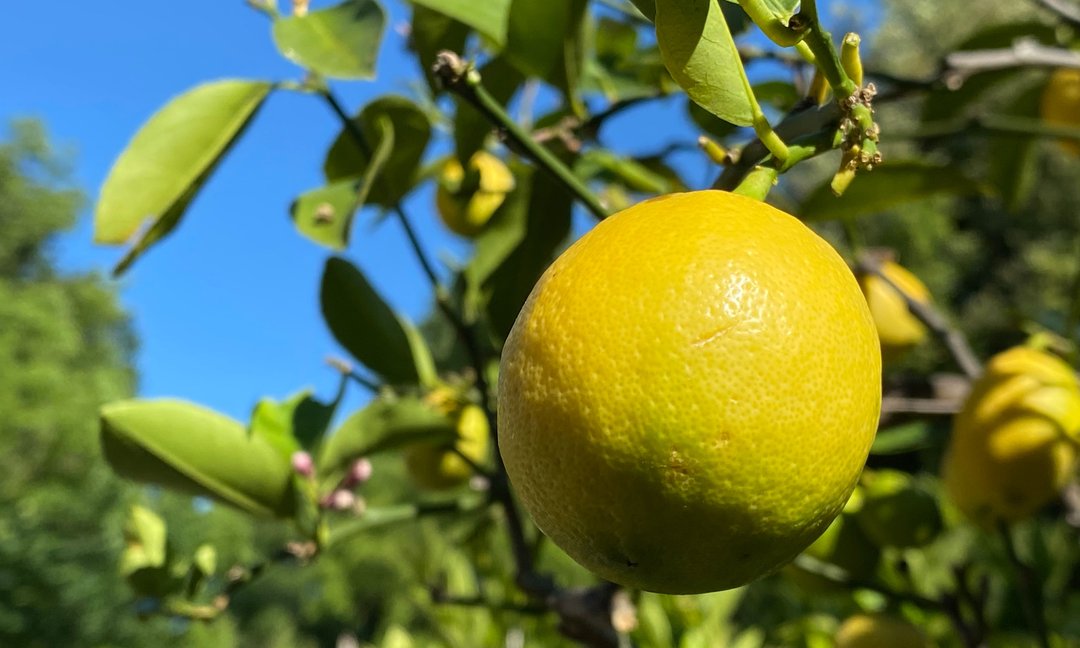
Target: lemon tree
(638, 381)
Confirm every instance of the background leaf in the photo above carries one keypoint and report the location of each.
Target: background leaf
(888, 185)
(385, 424)
(340, 42)
(292, 424)
(191, 449)
(432, 32)
(699, 52)
(362, 323)
(325, 215)
(501, 80)
(170, 158)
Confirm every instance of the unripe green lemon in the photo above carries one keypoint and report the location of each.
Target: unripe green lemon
(688, 396)
(897, 328)
(1012, 447)
(436, 467)
(1061, 103)
(896, 512)
(467, 210)
(879, 631)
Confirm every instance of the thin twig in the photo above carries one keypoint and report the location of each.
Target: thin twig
(949, 335)
(891, 405)
(464, 80)
(500, 489)
(1024, 52)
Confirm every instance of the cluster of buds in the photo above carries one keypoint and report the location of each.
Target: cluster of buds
(859, 137)
(343, 497)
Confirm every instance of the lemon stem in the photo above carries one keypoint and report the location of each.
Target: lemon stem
(758, 183)
(464, 80)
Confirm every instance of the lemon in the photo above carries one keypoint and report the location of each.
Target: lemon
(897, 328)
(879, 631)
(1010, 451)
(1061, 103)
(436, 467)
(688, 396)
(466, 210)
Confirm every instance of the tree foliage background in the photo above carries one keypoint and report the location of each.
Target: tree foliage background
(1001, 259)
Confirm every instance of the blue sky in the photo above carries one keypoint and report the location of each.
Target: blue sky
(226, 309)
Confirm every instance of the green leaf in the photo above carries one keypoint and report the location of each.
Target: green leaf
(1013, 158)
(339, 42)
(501, 80)
(431, 33)
(385, 424)
(174, 153)
(411, 131)
(325, 215)
(902, 438)
(779, 94)
(700, 53)
(782, 9)
(646, 7)
(891, 184)
(361, 322)
(543, 207)
(553, 53)
(293, 424)
(488, 17)
(191, 449)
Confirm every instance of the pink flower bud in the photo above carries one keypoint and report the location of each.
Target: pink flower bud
(303, 464)
(359, 472)
(341, 500)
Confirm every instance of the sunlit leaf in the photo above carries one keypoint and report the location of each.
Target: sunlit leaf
(292, 424)
(163, 167)
(891, 184)
(144, 539)
(191, 449)
(488, 17)
(385, 424)
(700, 54)
(339, 42)
(362, 323)
(325, 215)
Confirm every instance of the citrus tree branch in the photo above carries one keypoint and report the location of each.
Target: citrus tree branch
(1024, 52)
(949, 335)
(464, 80)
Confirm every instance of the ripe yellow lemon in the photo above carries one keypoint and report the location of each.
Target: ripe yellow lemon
(1010, 451)
(1061, 103)
(688, 396)
(879, 631)
(436, 467)
(465, 210)
(897, 328)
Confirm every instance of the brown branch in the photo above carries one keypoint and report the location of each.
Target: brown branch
(949, 335)
(1024, 52)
